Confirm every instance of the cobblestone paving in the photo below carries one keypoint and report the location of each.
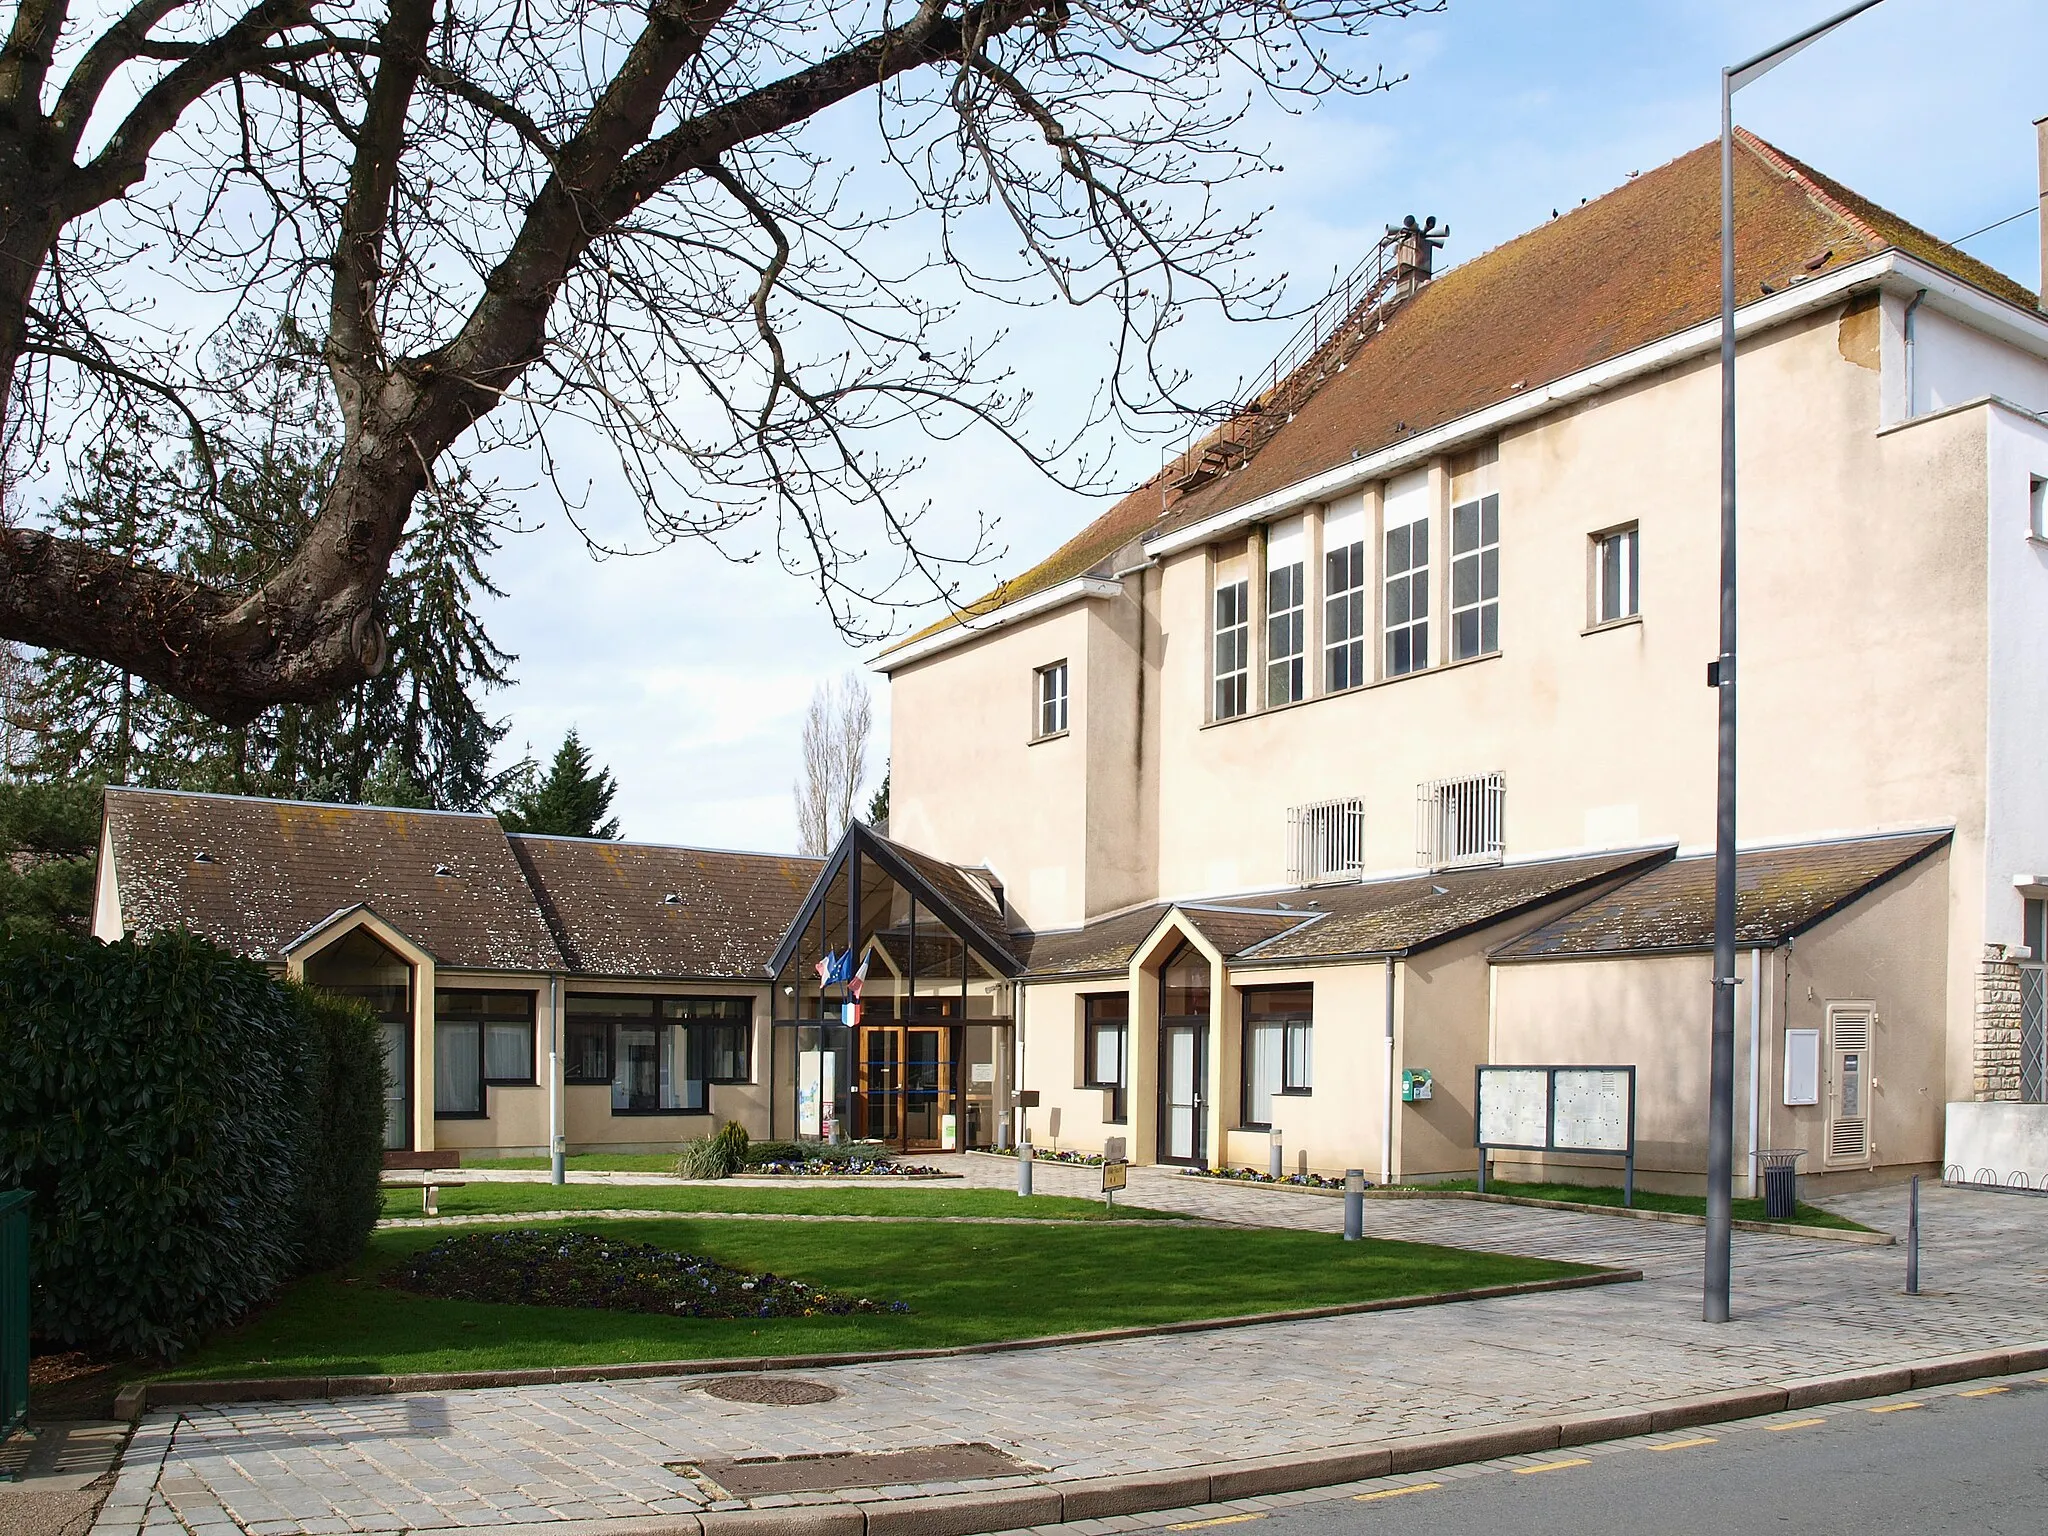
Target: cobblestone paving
(508, 1455)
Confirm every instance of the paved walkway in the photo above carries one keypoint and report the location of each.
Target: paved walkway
(510, 1455)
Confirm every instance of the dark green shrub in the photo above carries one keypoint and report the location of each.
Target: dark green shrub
(341, 1135)
(151, 1096)
(815, 1151)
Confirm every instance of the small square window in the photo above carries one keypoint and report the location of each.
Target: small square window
(1617, 569)
(1052, 699)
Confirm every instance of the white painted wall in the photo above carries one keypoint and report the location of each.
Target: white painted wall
(1954, 363)
(2005, 1138)
(2016, 804)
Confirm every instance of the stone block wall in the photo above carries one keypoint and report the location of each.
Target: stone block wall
(1998, 1026)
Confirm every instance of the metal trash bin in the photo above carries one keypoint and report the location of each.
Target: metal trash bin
(1781, 1183)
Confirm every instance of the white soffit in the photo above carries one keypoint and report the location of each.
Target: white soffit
(1899, 272)
(1081, 587)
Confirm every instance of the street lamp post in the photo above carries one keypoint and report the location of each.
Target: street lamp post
(1721, 1113)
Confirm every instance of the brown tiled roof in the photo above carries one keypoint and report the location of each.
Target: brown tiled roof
(276, 868)
(606, 904)
(964, 888)
(1629, 268)
(1373, 917)
(1779, 893)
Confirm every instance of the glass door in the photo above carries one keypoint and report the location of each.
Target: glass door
(1182, 1130)
(880, 1113)
(397, 1073)
(927, 1089)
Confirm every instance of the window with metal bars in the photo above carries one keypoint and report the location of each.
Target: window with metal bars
(1325, 841)
(1461, 821)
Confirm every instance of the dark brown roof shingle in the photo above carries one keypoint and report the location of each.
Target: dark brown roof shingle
(1779, 894)
(274, 869)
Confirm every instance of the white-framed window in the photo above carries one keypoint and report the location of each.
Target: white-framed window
(1344, 599)
(1406, 574)
(2037, 507)
(1325, 841)
(1617, 572)
(1286, 612)
(1233, 636)
(1475, 577)
(1051, 692)
(1461, 821)
(1279, 1050)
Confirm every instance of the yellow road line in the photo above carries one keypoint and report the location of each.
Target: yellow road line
(1203, 1525)
(1395, 1493)
(1795, 1424)
(1984, 1392)
(1893, 1407)
(1679, 1445)
(1556, 1466)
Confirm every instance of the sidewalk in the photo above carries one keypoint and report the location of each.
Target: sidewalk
(578, 1453)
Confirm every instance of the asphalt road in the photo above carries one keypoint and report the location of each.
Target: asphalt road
(1937, 1463)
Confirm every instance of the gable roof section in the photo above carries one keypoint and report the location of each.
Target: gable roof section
(1627, 269)
(606, 905)
(275, 869)
(1780, 893)
(1398, 915)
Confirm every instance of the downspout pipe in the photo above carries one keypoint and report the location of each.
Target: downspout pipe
(1912, 395)
(558, 1152)
(1393, 1096)
(1756, 1087)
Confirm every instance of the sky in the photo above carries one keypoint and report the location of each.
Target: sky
(688, 674)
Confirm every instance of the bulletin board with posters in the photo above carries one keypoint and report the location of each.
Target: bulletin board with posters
(1558, 1109)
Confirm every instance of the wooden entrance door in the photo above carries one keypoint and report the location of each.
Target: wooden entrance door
(905, 1085)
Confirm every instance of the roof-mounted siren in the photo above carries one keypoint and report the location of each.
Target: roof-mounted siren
(1415, 251)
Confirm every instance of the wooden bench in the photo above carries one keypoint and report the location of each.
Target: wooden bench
(425, 1165)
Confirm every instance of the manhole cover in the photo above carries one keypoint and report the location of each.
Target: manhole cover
(783, 1391)
(755, 1476)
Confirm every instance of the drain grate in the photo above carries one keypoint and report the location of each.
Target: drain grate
(755, 1477)
(781, 1391)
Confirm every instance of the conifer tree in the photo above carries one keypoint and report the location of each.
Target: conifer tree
(569, 800)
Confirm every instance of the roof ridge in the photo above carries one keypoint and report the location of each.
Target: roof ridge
(1777, 160)
(322, 805)
(627, 842)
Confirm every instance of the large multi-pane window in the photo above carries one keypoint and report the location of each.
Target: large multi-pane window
(1105, 1048)
(1344, 578)
(1406, 574)
(1617, 561)
(659, 1054)
(1286, 613)
(1052, 699)
(1233, 633)
(1278, 1049)
(1475, 577)
(480, 1038)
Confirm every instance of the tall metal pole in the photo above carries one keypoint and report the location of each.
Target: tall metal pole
(1721, 1081)
(1721, 1114)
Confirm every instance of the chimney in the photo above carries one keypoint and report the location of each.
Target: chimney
(2041, 153)
(1415, 249)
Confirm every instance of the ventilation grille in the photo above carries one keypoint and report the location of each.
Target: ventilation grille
(1849, 1141)
(1851, 1031)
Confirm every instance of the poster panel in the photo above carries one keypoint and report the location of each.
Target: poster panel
(1514, 1105)
(1591, 1113)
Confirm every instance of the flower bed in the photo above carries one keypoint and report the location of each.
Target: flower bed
(1253, 1176)
(1040, 1155)
(587, 1269)
(814, 1167)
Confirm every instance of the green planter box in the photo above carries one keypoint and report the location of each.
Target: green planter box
(13, 1310)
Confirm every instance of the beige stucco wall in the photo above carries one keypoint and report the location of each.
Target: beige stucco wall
(1653, 1012)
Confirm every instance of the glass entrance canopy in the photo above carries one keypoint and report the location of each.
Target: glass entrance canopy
(892, 1005)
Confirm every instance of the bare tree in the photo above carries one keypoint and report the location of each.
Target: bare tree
(658, 224)
(835, 762)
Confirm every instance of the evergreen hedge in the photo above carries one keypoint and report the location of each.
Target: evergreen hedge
(195, 1133)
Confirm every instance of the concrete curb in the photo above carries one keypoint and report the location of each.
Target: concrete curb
(138, 1397)
(975, 1514)
(1635, 1213)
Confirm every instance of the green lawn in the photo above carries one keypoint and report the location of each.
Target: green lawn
(1610, 1194)
(917, 1200)
(965, 1283)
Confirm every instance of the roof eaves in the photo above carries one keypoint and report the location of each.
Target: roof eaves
(988, 620)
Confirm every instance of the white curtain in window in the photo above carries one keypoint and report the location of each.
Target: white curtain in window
(1300, 1057)
(1262, 1071)
(458, 1069)
(1109, 1055)
(508, 1052)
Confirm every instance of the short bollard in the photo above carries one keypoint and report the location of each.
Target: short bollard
(1276, 1162)
(1024, 1168)
(1354, 1204)
(1913, 1239)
